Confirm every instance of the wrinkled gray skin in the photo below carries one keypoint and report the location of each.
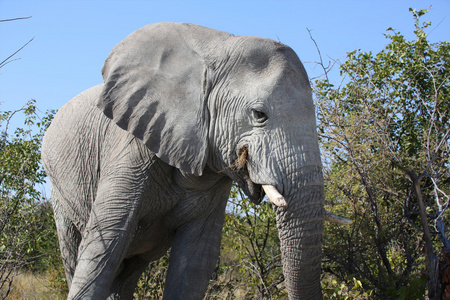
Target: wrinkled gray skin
(144, 161)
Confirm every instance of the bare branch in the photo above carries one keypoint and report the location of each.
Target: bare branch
(15, 19)
(3, 63)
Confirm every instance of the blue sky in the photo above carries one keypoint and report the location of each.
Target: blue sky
(73, 38)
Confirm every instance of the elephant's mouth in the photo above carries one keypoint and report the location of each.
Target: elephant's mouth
(253, 190)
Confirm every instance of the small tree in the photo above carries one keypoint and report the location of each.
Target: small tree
(250, 254)
(22, 232)
(385, 131)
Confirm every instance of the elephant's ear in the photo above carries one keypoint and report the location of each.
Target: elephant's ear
(156, 88)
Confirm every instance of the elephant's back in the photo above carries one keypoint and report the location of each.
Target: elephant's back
(71, 151)
(71, 127)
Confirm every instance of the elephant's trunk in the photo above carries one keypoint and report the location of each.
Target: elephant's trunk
(298, 201)
(300, 226)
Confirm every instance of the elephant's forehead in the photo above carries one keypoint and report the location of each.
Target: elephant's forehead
(266, 65)
(279, 87)
(262, 53)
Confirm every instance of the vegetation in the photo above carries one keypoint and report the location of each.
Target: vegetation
(27, 232)
(384, 131)
(250, 262)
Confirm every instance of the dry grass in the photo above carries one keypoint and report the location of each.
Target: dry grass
(242, 159)
(33, 286)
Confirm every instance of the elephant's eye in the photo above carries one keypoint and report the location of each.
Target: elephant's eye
(260, 116)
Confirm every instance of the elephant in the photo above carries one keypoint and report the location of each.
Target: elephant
(145, 161)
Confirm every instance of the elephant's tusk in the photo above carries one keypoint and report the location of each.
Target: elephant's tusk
(274, 196)
(336, 219)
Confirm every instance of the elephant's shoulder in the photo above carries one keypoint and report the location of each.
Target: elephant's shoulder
(77, 120)
(80, 109)
(88, 98)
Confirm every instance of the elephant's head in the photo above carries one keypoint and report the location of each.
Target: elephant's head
(241, 106)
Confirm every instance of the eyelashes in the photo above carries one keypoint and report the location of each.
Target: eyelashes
(259, 116)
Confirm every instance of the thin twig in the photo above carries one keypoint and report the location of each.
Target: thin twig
(3, 63)
(15, 19)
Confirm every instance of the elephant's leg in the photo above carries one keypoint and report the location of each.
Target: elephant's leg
(69, 239)
(106, 238)
(156, 240)
(194, 255)
(126, 281)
